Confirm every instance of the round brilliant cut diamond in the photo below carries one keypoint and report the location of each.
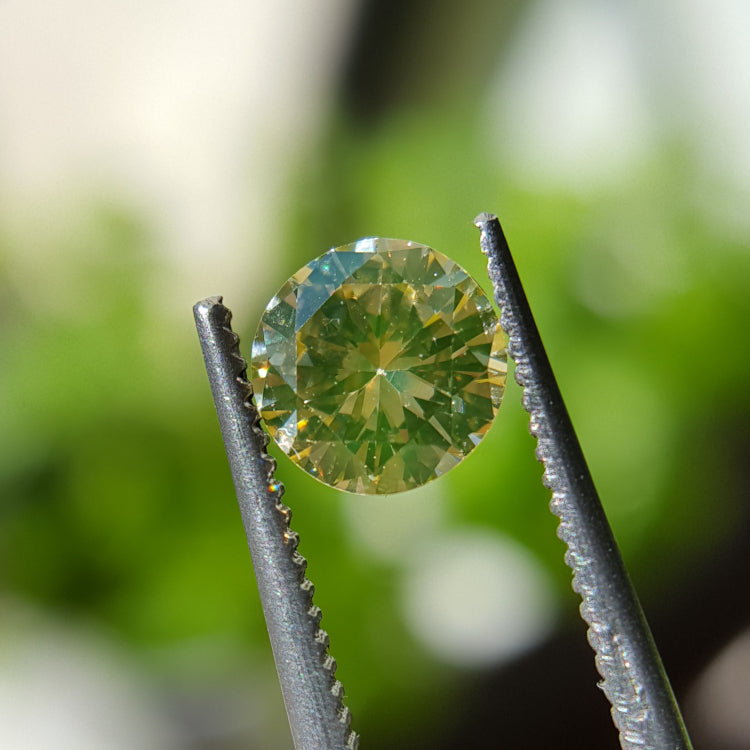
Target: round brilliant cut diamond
(379, 366)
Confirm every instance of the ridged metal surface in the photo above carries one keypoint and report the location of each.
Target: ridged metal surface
(644, 709)
(312, 695)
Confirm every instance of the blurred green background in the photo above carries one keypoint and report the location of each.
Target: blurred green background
(154, 154)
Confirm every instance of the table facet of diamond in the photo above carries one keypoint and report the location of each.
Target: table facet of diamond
(379, 366)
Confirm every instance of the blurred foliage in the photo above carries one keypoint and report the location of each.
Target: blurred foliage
(117, 506)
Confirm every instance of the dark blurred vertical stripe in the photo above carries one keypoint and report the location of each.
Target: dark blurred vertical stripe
(414, 52)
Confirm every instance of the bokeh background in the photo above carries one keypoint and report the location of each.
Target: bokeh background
(154, 153)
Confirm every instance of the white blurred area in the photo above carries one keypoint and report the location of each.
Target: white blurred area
(570, 100)
(72, 687)
(591, 88)
(476, 599)
(192, 114)
(473, 598)
(71, 690)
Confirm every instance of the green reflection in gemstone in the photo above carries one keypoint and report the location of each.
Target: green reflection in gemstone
(379, 366)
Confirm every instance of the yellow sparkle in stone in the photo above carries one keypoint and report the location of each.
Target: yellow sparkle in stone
(379, 366)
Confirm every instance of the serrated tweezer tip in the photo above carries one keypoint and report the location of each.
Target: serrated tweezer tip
(312, 695)
(644, 709)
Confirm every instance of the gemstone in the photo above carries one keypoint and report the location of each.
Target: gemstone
(379, 366)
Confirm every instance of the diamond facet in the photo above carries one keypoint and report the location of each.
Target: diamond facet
(379, 366)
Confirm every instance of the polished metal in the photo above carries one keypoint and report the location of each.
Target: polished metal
(644, 709)
(312, 695)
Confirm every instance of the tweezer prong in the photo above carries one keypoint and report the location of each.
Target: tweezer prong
(312, 695)
(644, 709)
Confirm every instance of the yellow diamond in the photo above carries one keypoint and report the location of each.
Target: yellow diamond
(379, 366)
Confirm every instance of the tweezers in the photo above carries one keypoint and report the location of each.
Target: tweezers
(644, 709)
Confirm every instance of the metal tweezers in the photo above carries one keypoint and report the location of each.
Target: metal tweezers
(644, 709)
